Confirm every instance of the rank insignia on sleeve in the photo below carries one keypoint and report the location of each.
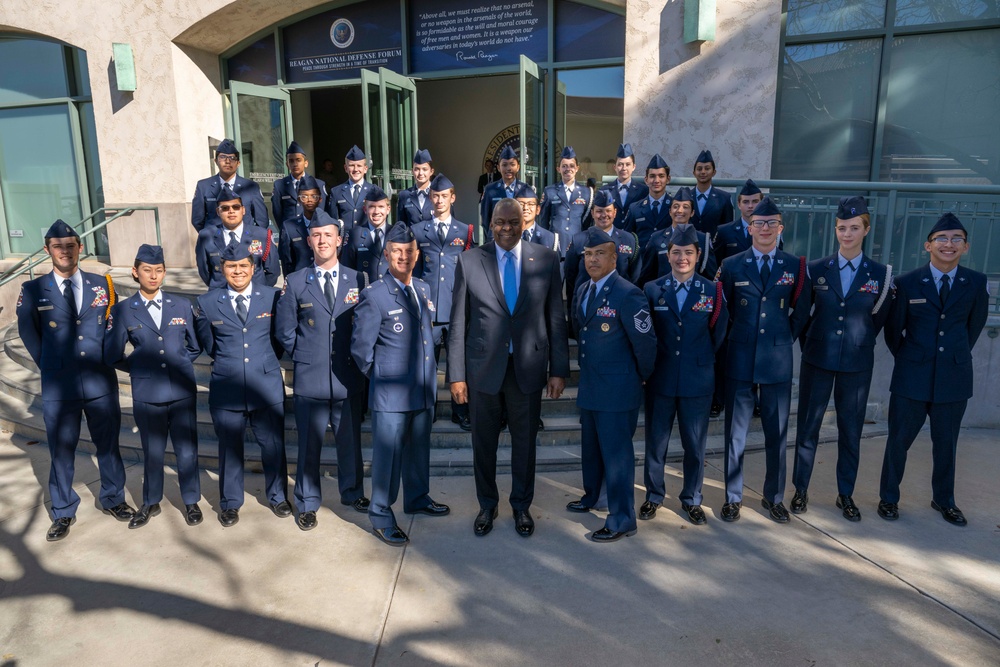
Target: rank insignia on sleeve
(643, 321)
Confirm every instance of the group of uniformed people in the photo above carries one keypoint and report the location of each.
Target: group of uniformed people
(677, 309)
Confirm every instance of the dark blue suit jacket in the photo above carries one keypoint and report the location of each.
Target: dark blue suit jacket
(160, 364)
(656, 261)
(762, 321)
(317, 339)
(685, 343)
(285, 204)
(342, 205)
(213, 240)
(69, 354)
(408, 207)
(358, 252)
(293, 246)
(246, 374)
(636, 191)
(718, 211)
(493, 193)
(206, 194)
(617, 346)
(933, 344)
(394, 346)
(841, 332)
(629, 264)
(643, 223)
(436, 262)
(562, 215)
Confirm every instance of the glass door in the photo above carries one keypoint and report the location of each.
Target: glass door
(390, 121)
(262, 129)
(532, 124)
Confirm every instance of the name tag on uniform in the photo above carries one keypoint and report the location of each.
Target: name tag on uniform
(821, 287)
(296, 238)
(286, 196)
(423, 245)
(217, 323)
(743, 283)
(49, 307)
(213, 254)
(661, 307)
(396, 312)
(918, 300)
(639, 219)
(305, 305)
(363, 249)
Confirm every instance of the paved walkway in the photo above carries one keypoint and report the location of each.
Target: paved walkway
(819, 591)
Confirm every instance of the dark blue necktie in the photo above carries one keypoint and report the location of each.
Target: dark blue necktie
(945, 288)
(70, 297)
(765, 269)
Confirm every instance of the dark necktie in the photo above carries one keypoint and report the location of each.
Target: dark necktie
(152, 304)
(591, 299)
(411, 294)
(510, 191)
(241, 308)
(623, 192)
(702, 197)
(765, 269)
(70, 298)
(845, 281)
(421, 197)
(526, 236)
(945, 289)
(154, 315)
(656, 208)
(442, 232)
(232, 239)
(328, 288)
(378, 243)
(357, 191)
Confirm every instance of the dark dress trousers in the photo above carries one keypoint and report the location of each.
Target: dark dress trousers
(263, 250)
(718, 210)
(246, 387)
(838, 354)
(285, 204)
(932, 377)
(163, 387)
(205, 201)
(642, 221)
(482, 332)
(564, 215)
(682, 380)
(327, 382)
(342, 204)
(656, 256)
(393, 345)
(69, 352)
(617, 351)
(493, 193)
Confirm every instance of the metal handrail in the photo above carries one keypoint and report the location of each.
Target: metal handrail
(851, 186)
(28, 264)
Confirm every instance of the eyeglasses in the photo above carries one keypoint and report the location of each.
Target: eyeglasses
(227, 207)
(942, 240)
(766, 223)
(222, 157)
(527, 204)
(309, 197)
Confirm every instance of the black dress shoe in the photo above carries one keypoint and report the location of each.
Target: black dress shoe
(393, 536)
(359, 505)
(648, 510)
(577, 506)
(121, 511)
(523, 523)
(541, 424)
(463, 421)
(776, 511)
(696, 514)
(888, 511)
(60, 528)
(434, 509)
(731, 512)
(142, 517)
(282, 509)
(229, 517)
(607, 535)
(851, 511)
(800, 502)
(192, 514)
(952, 515)
(306, 520)
(484, 521)
(716, 410)
(756, 411)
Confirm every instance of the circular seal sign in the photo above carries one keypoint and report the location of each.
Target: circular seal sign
(342, 33)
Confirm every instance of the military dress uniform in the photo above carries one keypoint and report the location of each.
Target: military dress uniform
(285, 204)
(648, 215)
(711, 210)
(690, 325)
(765, 318)
(542, 237)
(617, 349)
(409, 208)
(206, 198)
(564, 210)
(246, 386)
(164, 392)
(346, 202)
(634, 191)
(436, 265)
(629, 264)
(363, 250)
(656, 259)
(213, 241)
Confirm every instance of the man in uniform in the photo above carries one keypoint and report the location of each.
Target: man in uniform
(313, 323)
(940, 311)
(234, 232)
(286, 202)
(160, 328)
(414, 203)
(655, 258)
(617, 352)
(624, 190)
(508, 187)
(364, 244)
(533, 233)
(652, 212)
(206, 192)
(393, 345)
(61, 321)
(293, 244)
(440, 242)
(761, 286)
(346, 202)
(689, 320)
(565, 204)
(713, 207)
(235, 326)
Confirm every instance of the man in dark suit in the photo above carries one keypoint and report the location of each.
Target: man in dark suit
(508, 335)
(414, 203)
(235, 326)
(206, 192)
(363, 247)
(214, 239)
(346, 202)
(489, 175)
(713, 207)
(313, 323)
(689, 320)
(617, 352)
(393, 345)
(508, 187)
(940, 311)
(625, 190)
(286, 200)
(565, 205)
(653, 211)
(293, 244)
(768, 294)
(655, 259)
(61, 321)
(160, 328)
